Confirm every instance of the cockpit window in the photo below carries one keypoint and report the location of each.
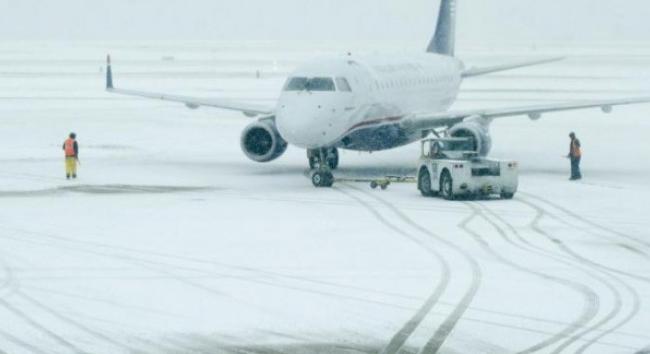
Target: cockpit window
(343, 84)
(310, 84)
(296, 84)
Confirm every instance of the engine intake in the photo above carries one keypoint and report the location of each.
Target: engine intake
(478, 133)
(261, 142)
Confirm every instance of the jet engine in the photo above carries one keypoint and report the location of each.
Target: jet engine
(261, 141)
(477, 131)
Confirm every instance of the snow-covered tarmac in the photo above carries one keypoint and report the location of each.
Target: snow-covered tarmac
(172, 241)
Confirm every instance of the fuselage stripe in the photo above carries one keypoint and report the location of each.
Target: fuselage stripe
(375, 122)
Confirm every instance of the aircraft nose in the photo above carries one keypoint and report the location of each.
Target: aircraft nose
(307, 124)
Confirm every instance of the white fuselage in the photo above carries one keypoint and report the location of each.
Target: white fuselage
(366, 116)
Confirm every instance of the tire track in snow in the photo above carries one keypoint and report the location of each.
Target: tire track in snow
(151, 266)
(170, 269)
(618, 302)
(558, 257)
(439, 337)
(41, 328)
(9, 283)
(590, 298)
(636, 306)
(562, 259)
(636, 300)
(150, 344)
(611, 269)
(78, 325)
(645, 350)
(20, 343)
(399, 339)
(594, 224)
(16, 291)
(266, 273)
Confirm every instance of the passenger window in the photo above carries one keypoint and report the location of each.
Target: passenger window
(343, 84)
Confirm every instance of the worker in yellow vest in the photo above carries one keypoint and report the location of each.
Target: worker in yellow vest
(71, 149)
(575, 154)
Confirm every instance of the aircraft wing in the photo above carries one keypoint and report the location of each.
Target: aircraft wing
(447, 119)
(248, 109)
(493, 69)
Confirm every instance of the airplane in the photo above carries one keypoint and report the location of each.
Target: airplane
(372, 103)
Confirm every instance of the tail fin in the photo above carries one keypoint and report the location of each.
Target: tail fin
(444, 40)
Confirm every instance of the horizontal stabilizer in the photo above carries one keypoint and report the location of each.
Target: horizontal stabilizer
(493, 69)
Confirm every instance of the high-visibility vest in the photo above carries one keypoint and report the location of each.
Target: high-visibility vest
(68, 146)
(575, 149)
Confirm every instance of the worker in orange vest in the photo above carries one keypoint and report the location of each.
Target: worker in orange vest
(575, 155)
(71, 149)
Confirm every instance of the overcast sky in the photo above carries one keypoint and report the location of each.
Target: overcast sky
(479, 20)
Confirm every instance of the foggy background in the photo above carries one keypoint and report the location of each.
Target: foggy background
(532, 21)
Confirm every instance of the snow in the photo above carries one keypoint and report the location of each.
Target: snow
(172, 241)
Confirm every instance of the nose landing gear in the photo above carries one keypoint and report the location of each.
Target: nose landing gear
(331, 157)
(322, 179)
(322, 162)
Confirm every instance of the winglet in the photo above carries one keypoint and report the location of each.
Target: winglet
(109, 73)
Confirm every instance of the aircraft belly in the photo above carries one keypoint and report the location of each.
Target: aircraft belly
(378, 138)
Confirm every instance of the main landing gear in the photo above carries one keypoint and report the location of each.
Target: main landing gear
(322, 162)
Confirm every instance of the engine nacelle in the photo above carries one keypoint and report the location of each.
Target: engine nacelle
(478, 132)
(261, 142)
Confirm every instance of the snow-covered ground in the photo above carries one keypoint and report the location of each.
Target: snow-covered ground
(172, 241)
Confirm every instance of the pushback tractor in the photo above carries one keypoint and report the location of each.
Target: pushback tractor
(450, 168)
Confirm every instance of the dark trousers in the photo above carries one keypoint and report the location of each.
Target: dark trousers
(575, 168)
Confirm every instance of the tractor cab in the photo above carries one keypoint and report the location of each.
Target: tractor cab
(448, 148)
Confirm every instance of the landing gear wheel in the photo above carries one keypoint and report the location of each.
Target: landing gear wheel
(322, 179)
(507, 196)
(374, 185)
(447, 186)
(424, 183)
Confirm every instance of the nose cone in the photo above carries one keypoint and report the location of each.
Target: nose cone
(309, 121)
